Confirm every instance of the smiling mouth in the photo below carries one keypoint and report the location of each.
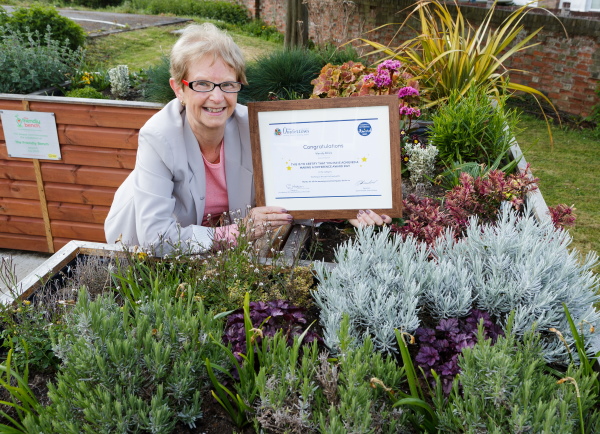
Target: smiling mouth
(214, 110)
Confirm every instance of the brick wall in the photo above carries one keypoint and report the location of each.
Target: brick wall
(567, 69)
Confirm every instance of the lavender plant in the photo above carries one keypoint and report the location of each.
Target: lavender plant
(124, 369)
(309, 392)
(505, 388)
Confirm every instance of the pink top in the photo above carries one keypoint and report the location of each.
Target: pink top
(216, 198)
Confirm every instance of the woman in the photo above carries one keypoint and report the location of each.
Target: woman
(194, 158)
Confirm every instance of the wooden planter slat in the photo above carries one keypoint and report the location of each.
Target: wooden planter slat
(83, 194)
(97, 157)
(120, 138)
(77, 212)
(18, 189)
(20, 207)
(17, 170)
(88, 156)
(84, 175)
(24, 242)
(94, 115)
(21, 225)
(77, 230)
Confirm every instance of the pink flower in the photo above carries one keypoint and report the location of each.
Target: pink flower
(407, 91)
(392, 65)
(409, 111)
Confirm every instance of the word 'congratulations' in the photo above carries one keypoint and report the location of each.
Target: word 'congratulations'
(328, 146)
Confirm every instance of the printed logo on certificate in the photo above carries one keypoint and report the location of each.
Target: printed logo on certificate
(327, 158)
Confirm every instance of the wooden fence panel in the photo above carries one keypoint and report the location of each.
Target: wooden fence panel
(22, 225)
(18, 170)
(86, 175)
(77, 212)
(98, 142)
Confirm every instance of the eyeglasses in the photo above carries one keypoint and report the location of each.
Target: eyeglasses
(207, 86)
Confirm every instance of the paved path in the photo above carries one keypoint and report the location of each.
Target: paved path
(103, 23)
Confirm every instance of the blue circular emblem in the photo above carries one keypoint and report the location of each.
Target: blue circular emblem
(364, 128)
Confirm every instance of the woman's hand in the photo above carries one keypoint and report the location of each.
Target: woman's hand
(369, 218)
(261, 218)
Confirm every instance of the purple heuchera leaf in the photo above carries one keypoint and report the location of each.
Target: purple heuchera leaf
(440, 347)
(428, 356)
(281, 316)
(425, 335)
(448, 325)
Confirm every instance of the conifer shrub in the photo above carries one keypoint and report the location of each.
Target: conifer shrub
(130, 370)
(157, 88)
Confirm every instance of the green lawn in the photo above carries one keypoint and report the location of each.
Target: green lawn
(569, 173)
(143, 48)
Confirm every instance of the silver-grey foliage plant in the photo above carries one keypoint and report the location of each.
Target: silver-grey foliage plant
(516, 264)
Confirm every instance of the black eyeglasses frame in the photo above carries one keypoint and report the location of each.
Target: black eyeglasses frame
(191, 83)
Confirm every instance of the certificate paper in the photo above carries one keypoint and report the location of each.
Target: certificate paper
(320, 164)
(335, 158)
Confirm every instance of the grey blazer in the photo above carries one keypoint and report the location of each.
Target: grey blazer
(161, 203)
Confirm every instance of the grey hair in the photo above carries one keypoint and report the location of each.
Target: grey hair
(197, 41)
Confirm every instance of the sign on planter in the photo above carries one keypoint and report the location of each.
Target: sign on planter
(30, 134)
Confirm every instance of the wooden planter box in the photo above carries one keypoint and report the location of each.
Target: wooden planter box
(44, 204)
(294, 237)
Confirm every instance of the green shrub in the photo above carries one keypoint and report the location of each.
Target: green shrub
(97, 4)
(471, 128)
(283, 74)
(130, 370)
(29, 63)
(260, 29)
(37, 18)
(505, 388)
(157, 87)
(219, 10)
(25, 331)
(85, 92)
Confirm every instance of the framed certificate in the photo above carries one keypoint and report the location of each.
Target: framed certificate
(327, 158)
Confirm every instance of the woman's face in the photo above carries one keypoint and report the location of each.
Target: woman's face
(207, 111)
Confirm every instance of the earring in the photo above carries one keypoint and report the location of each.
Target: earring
(182, 102)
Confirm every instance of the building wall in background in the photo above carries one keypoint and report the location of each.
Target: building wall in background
(566, 68)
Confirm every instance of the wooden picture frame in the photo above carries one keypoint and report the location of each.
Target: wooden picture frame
(327, 158)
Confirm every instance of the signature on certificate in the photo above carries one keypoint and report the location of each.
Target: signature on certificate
(296, 187)
(366, 181)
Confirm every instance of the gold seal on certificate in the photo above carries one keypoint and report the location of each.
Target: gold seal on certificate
(327, 158)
